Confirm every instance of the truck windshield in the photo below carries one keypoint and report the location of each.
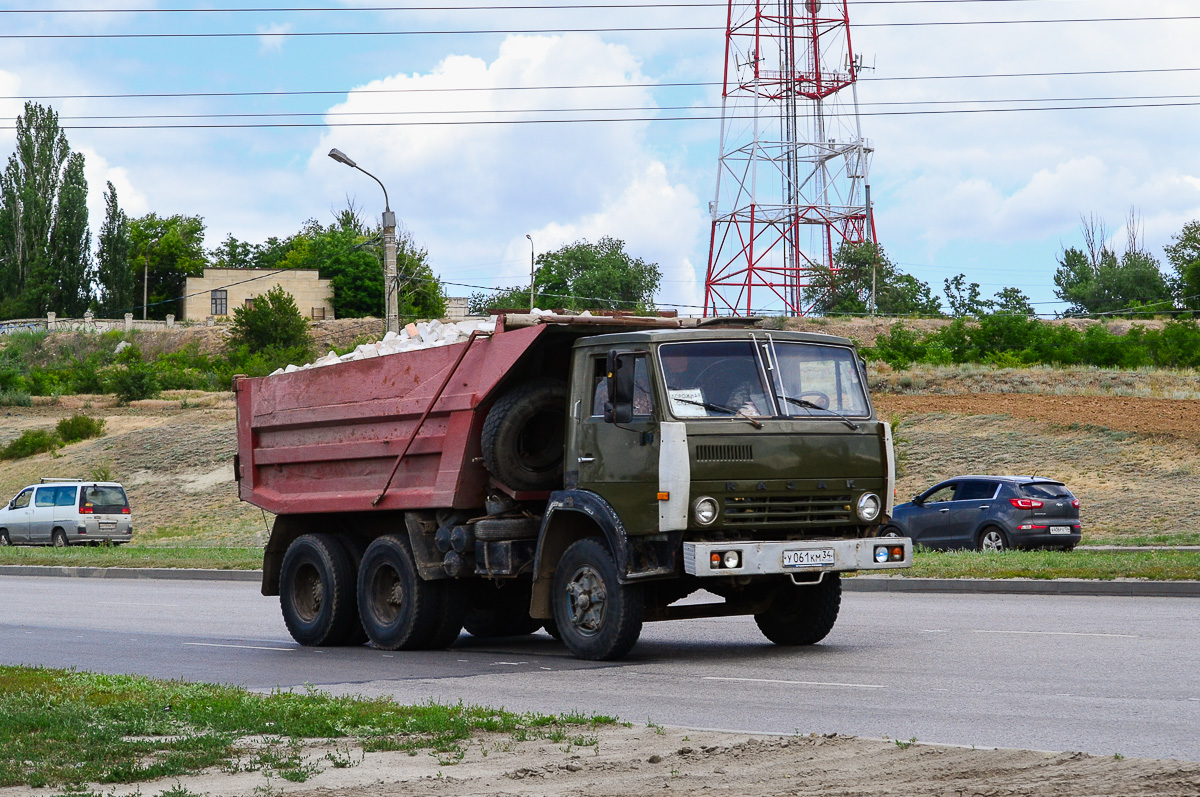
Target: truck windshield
(818, 380)
(718, 378)
(726, 378)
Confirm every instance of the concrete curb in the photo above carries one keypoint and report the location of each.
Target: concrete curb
(1005, 586)
(164, 573)
(1025, 586)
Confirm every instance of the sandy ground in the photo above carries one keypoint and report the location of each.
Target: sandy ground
(643, 760)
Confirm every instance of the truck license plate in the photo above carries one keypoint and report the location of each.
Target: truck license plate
(822, 557)
(1060, 529)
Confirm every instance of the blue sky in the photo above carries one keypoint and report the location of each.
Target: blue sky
(993, 195)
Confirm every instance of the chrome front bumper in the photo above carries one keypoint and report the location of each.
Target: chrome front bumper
(766, 558)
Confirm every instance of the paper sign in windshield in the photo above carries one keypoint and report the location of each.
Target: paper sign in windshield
(688, 403)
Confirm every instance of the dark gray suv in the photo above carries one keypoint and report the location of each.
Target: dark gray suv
(990, 513)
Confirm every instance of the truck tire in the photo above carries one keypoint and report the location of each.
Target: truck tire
(523, 435)
(804, 614)
(499, 610)
(599, 618)
(507, 528)
(398, 610)
(316, 591)
(452, 610)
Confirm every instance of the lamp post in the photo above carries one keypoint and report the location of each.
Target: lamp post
(530, 237)
(391, 308)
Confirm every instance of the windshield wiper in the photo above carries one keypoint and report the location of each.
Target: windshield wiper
(719, 408)
(812, 406)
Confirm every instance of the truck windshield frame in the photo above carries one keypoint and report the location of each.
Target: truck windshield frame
(761, 377)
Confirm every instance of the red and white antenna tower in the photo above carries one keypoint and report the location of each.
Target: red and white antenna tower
(792, 181)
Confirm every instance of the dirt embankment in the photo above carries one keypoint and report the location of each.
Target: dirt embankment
(1171, 418)
(633, 762)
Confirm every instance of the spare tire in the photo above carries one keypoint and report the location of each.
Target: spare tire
(524, 434)
(507, 528)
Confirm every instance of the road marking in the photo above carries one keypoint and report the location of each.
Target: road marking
(794, 683)
(243, 647)
(933, 631)
(128, 603)
(1056, 633)
(507, 663)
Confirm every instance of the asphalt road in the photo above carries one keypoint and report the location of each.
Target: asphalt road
(1102, 675)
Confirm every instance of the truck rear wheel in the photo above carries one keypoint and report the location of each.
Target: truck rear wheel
(316, 591)
(398, 610)
(452, 610)
(523, 435)
(802, 614)
(500, 610)
(598, 617)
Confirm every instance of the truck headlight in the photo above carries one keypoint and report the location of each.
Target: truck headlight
(704, 510)
(868, 507)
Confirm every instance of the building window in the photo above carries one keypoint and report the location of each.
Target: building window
(250, 303)
(318, 313)
(220, 303)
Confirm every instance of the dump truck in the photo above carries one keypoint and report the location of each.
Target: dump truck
(575, 473)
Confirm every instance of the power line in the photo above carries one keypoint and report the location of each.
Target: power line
(614, 109)
(395, 9)
(574, 87)
(514, 31)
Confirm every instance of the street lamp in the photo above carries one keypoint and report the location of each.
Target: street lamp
(530, 237)
(391, 309)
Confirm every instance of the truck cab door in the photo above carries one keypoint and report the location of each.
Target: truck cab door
(618, 462)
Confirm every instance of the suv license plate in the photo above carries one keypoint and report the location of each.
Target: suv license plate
(822, 557)
(1060, 529)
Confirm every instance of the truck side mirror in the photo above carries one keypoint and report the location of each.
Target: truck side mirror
(619, 370)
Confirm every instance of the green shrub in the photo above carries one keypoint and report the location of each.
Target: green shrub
(80, 427)
(31, 441)
(272, 321)
(133, 380)
(15, 398)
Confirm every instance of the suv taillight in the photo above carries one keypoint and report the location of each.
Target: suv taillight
(1075, 503)
(125, 510)
(1026, 503)
(86, 509)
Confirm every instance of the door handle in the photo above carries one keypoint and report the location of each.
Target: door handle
(983, 508)
(587, 459)
(943, 510)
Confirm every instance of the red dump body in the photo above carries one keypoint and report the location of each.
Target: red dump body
(326, 439)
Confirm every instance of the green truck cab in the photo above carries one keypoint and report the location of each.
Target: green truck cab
(748, 463)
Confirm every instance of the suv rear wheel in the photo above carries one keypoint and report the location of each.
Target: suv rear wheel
(992, 539)
(59, 538)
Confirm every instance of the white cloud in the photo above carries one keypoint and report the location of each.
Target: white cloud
(471, 192)
(99, 172)
(271, 40)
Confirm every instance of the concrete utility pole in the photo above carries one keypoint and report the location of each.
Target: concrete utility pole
(530, 237)
(391, 307)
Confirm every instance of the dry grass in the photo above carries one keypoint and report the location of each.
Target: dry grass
(1042, 379)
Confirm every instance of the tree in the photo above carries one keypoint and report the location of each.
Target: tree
(583, 276)
(1011, 301)
(349, 253)
(233, 253)
(166, 250)
(1097, 281)
(964, 298)
(272, 322)
(1184, 257)
(45, 262)
(859, 268)
(117, 282)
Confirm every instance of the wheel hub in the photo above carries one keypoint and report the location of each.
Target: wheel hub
(586, 599)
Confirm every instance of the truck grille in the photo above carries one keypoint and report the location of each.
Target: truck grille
(787, 510)
(724, 454)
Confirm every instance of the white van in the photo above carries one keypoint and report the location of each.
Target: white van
(63, 512)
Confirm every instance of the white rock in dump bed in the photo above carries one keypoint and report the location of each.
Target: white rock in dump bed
(415, 336)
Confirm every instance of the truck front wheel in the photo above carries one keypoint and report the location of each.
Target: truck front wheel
(802, 614)
(598, 617)
(316, 591)
(398, 610)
